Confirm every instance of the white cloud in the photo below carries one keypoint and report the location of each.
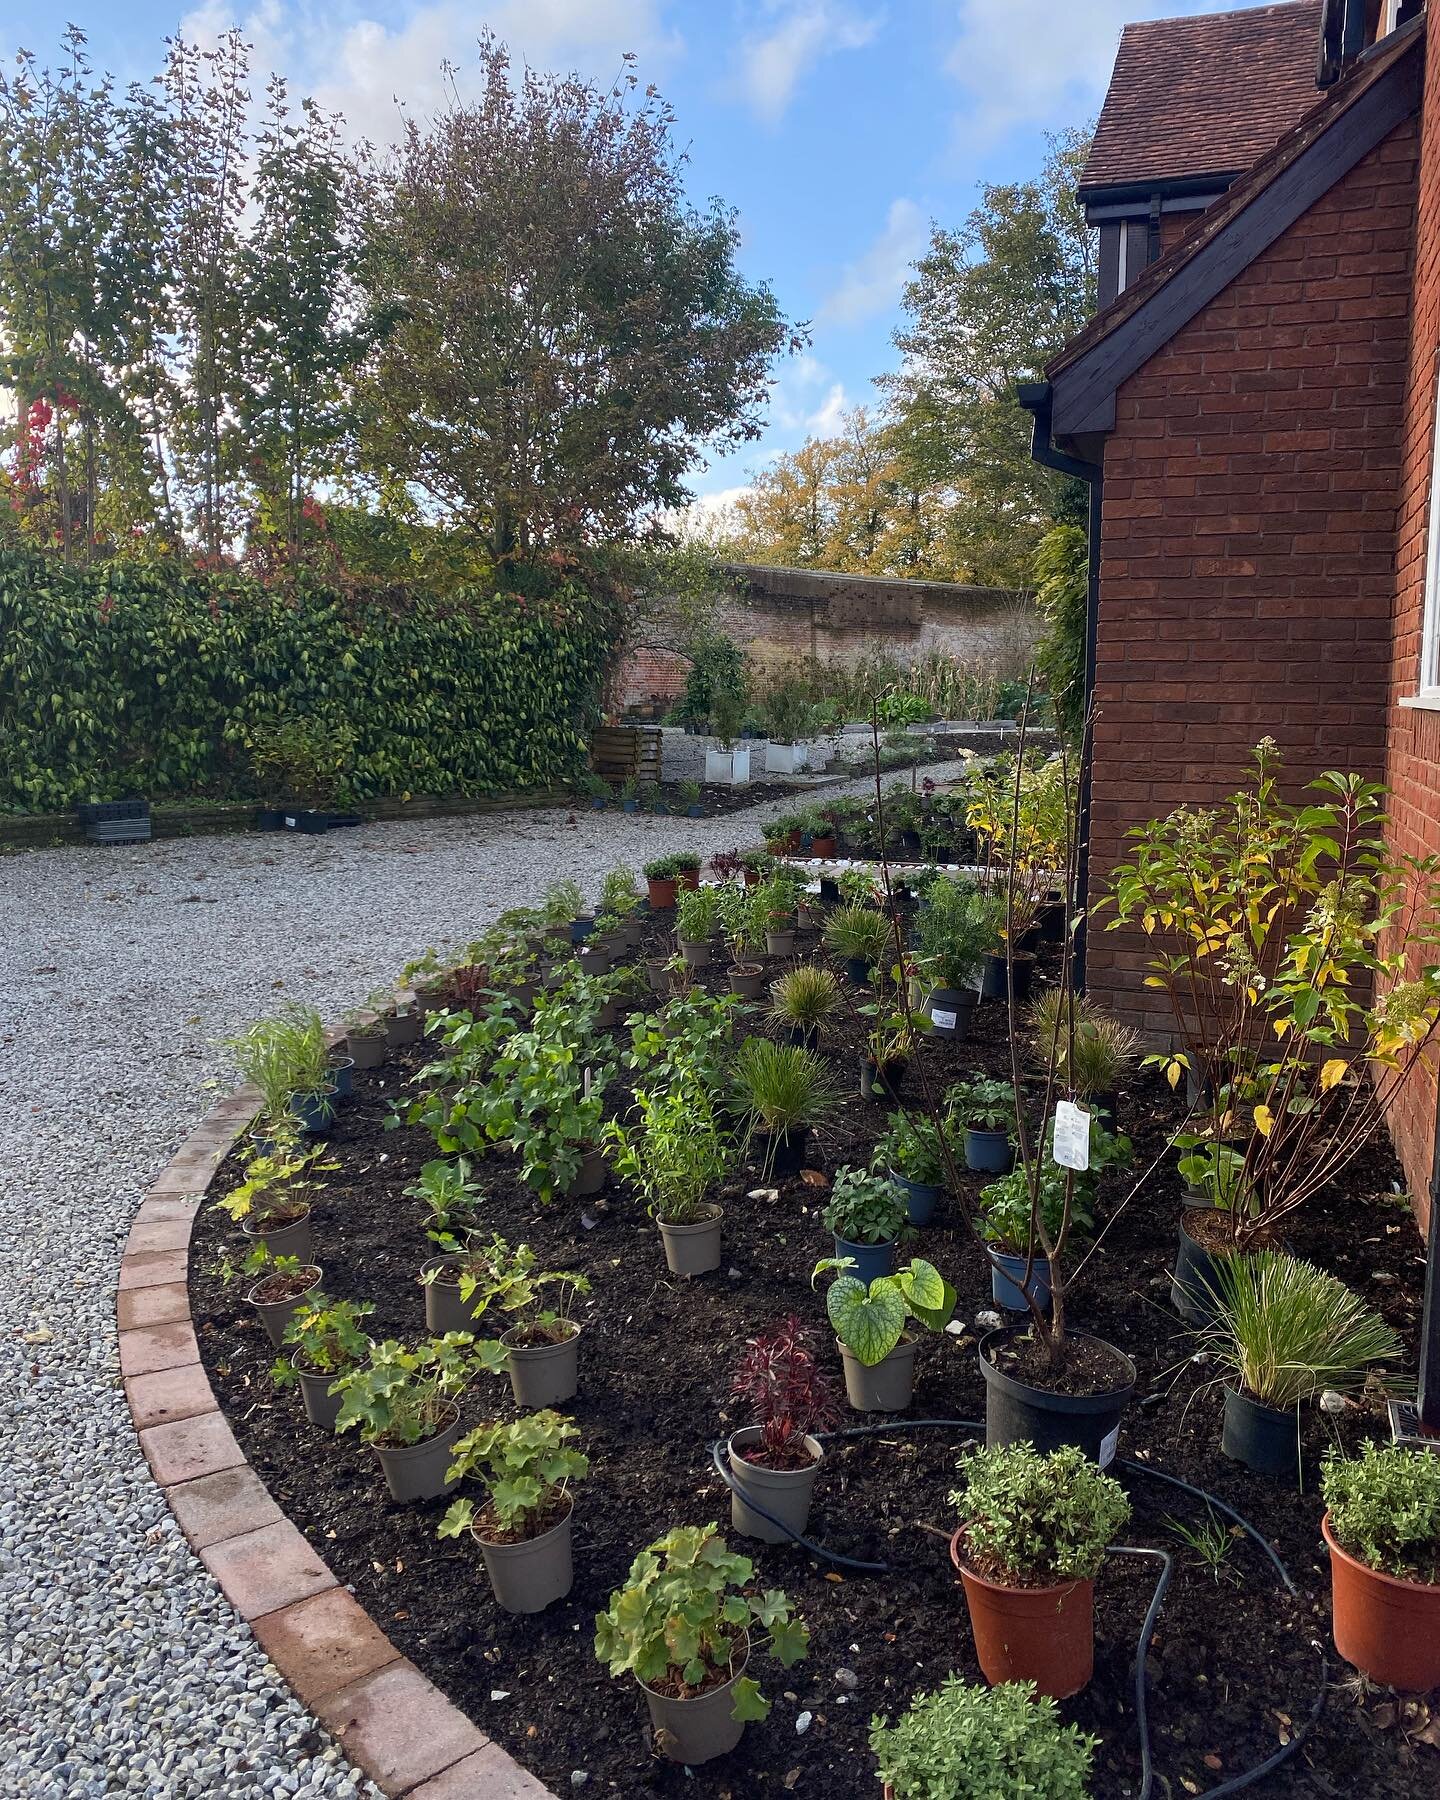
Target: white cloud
(1033, 62)
(772, 61)
(872, 283)
(707, 517)
(359, 66)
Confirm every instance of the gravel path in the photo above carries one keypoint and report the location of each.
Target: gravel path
(124, 1671)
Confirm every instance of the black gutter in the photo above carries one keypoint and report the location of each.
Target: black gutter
(1035, 397)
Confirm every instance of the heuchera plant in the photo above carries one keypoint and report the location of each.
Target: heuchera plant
(790, 1396)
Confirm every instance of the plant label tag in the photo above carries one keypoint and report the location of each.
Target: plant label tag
(1072, 1136)
(943, 1021)
(1107, 1447)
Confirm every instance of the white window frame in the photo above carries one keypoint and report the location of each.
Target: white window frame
(1430, 629)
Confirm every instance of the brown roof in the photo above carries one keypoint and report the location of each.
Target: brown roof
(1362, 76)
(1204, 96)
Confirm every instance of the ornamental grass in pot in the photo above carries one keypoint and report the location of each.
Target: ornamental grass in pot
(527, 1468)
(775, 1461)
(861, 937)
(867, 1216)
(1032, 1533)
(405, 1403)
(869, 1320)
(782, 1090)
(326, 1339)
(1382, 1528)
(1091, 1049)
(675, 1152)
(802, 1002)
(1283, 1332)
(696, 1683)
(964, 1742)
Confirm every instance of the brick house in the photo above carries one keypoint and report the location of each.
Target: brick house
(1255, 411)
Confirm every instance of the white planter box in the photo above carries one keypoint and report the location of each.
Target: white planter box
(731, 768)
(785, 759)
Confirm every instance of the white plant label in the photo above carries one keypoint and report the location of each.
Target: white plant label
(1072, 1136)
(1107, 1447)
(943, 1021)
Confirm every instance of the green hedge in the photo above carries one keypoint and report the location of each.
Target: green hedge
(124, 679)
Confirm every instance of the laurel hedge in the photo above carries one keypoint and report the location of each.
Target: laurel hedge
(124, 679)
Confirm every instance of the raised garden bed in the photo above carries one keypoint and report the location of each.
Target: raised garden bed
(1233, 1665)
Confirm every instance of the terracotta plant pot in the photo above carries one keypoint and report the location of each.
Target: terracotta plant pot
(696, 1731)
(528, 1577)
(662, 893)
(366, 1049)
(589, 1177)
(417, 1471)
(785, 1493)
(295, 1239)
(1045, 1635)
(822, 846)
(401, 1029)
(688, 880)
(275, 1315)
(321, 1406)
(747, 980)
(1388, 1628)
(692, 1249)
(543, 1374)
(886, 1386)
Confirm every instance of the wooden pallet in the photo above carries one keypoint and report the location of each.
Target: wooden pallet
(624, 753)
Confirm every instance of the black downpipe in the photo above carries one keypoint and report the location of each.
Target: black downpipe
(1428, 1397)
(1035, 397)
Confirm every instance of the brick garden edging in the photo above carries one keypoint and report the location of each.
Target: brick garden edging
(390, 1719)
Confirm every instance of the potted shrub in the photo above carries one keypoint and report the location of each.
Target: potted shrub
(866, 1213)
(776, 833)
(1212, 1172)
(1033, 1531)
(1382, 1528)
(955, 928)
(729, 765)
(527, 1469)
(544, 1096)
(364, 1038)
(743, 923)
(861, 936)
(661, 877)
(869, 1320)
(406, 1405)
(1092, 1049)
(276, 1286)
(801, 1001)
(775, 900)
(784, 1090)
(755, 865)
(824, 834)
(963, 1740)
(620, 900)
(775, 1461)
(889, 1047)
(328, 1340)
(272, 1204)
(911, 1155)
(687, 869)
(1283, 1332)
(697, 914)
(675, 1153)
(699, 1700)
(984, 1108)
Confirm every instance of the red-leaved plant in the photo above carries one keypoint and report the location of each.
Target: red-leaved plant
(789, 1394)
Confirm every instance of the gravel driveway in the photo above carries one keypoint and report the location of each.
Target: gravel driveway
(120, 969)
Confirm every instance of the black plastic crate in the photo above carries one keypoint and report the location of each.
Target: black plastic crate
(116, 821)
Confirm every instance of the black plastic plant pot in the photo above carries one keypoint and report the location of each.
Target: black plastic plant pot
(829, 888)
(803, 1037)
(1017, 1413)
(270, 818)
(1264, 1438)
(881, 1084)
(993, 980)
(1051, 921)
(783, 1152)
(1193, 1277)
(951, 1011)
(857, 970)
(988, 1152)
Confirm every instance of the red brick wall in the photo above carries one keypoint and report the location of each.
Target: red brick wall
(1413, 762)
(1248, 541)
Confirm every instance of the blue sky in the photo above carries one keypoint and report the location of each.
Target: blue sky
(839, 128)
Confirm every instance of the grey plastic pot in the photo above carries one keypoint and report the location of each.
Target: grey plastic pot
(366, 1050)
(697, 956)
(747, 980)
(417, 1471)
(886, 1386)
(1264, 1438)
(779, 943)
(785, 1493)
(445, 1310)
(696, 1731)
(289, 1240)
(402, 1028)
(275, 1315)
(657, 973)
(528, 1577)
(692, 1249)
(543, 1374)
(589, 1177)
(321, 1406)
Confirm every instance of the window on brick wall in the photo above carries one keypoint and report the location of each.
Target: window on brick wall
(1430, 633)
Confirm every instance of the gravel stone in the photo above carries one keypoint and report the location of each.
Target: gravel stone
(123, 1669)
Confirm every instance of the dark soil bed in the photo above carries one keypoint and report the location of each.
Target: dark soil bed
(1234, 1665)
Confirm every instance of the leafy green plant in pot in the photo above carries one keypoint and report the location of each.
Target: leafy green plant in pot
(861, 936)
(364, 1038)
(405, 1403)
(1283, 1332)
(695, 1682)
(274, 1285)
(1032, 1534)
(802, 1001)
(1212, 1172)
(527, 1468)
(955, 929)
(869, 1321)
(911, 1154)
(326, 1339)
(1382, 1528)
(272, 1205)
(867, 1215)
(783, 1091)
(662, 878)
(963, 1740)
(675, 1153)
(743, 924)
(984, 1110)
(697, 916)
(775, 1461)
(776, 899)
(542, 1347)
(890, 1043)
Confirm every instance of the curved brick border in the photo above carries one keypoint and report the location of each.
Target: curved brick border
(390, 1720)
